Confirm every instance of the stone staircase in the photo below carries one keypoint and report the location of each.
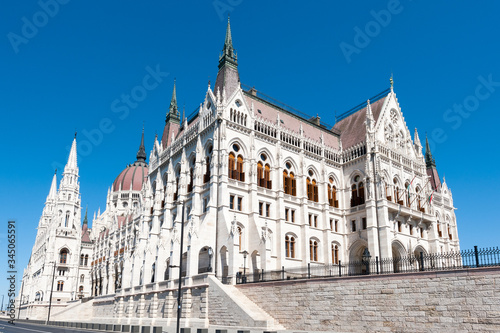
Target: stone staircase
(227, 306)
(77, 311)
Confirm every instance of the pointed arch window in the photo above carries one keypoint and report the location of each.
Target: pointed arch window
(86, 260)
(82, 257)
(206, 176)
(153, 271)
(60, 285)
(264, 173)
(290, 246)
(335, 254)
(66, 220)
(240, 238)
(313, 250)
(312, 189)
(63, 256)
(357, 192)
(332, 194)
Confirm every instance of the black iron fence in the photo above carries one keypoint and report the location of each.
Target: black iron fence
(487, 257)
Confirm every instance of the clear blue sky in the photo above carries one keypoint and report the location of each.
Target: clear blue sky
(65, 74)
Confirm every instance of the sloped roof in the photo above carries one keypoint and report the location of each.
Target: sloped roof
(353, 129)
(291, 122)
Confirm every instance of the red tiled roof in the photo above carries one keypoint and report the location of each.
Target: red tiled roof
(292, 122)
(353, 129)
(134, 174)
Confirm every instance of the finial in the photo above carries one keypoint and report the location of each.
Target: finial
(141, 154)
(55, 172)
(75, 133)
(391, 80)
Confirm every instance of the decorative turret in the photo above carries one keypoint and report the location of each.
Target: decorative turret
(417, 144)
(430, 163)
(141, 154)
(53, 188)
(172, 122)
(228, 79)
(173, 111)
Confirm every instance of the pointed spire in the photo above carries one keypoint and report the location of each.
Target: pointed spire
(72, 159)
(429, 160)
(85, 220)
(141, 154)
(173, 112)
(370, 120)
(391, 80)
(53, 188)
(228, 53)
(417, 139)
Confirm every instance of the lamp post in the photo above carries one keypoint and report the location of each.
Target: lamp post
(20, 299)
(179, 304)
(366, 260)
(245, 254)
(210, 254)
(51, 290)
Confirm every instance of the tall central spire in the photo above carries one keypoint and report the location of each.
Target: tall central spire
(141, 154)
(228, 79)
(228, 53)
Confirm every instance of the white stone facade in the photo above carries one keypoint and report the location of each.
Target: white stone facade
(57, 264)
(262, 188)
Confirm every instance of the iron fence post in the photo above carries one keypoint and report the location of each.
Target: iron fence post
(308, 270)
(376, 260)
(476, 253)
(340, 268)
(282, 272)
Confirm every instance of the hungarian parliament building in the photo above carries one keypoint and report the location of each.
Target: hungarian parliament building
(247, 184)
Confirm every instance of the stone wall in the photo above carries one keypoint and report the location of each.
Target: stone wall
(449, 301)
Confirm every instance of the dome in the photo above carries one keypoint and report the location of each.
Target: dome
(134, 174)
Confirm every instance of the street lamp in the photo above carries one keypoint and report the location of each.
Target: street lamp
(179, 304)
(51, 290)
(210, 254)
(366, 260)
(245, 254)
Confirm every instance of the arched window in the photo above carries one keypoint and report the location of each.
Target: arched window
(191, 175)
(290, 246)
(312, 187)
(86, 259)
(82, 278)
(60, 285)
(176, 190)
(407, 196)
(357, 192)
(240, 238)
(82, 257)
(166, 275)
(206, 176)
(235, 167)
(332, 194)
(289, 181)
(397, 194)
(335, 254)
(63, 256)
(313, 249)
(260, 174)
(239, 168)
(232, 164)
(153, 271)
(66, 220)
